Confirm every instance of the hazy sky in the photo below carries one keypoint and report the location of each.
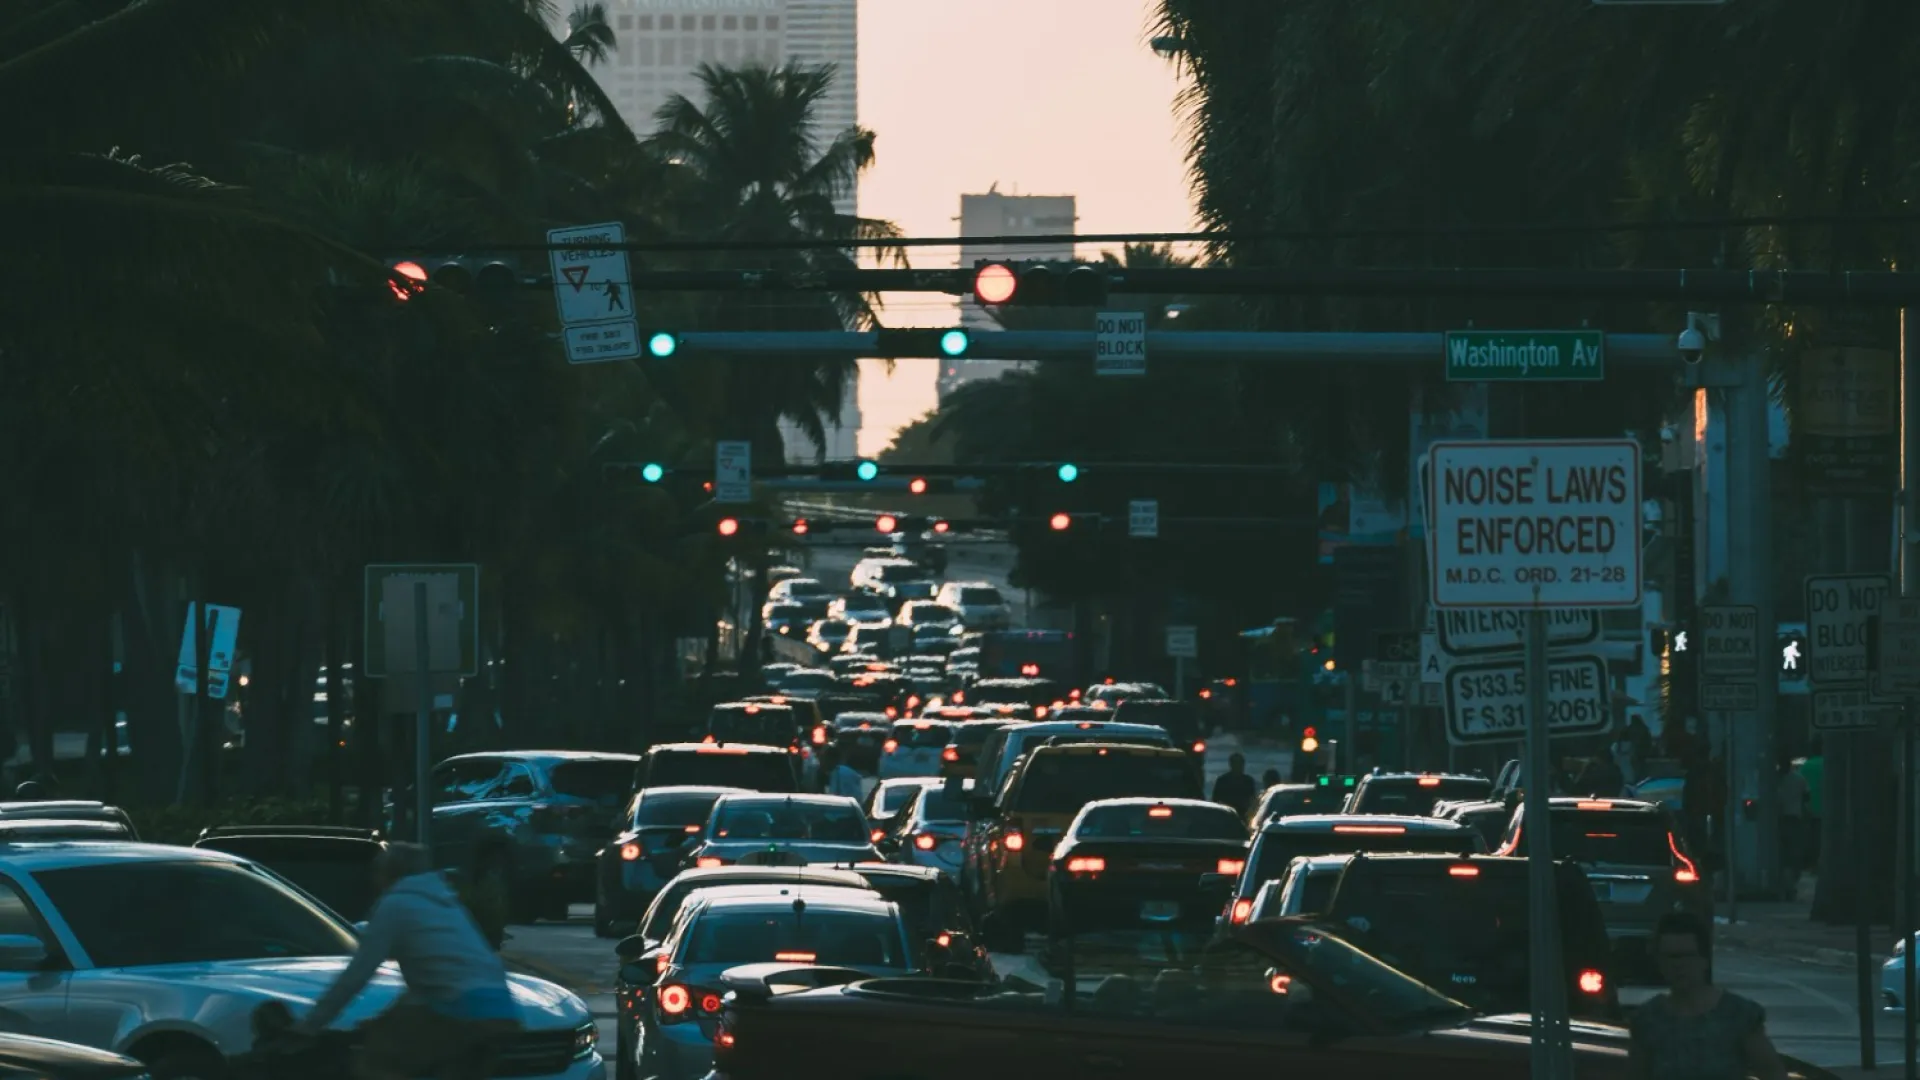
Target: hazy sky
(1045, 97)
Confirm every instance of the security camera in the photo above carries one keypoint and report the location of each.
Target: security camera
(1692, 345)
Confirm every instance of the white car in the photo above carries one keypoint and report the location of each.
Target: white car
(913, 748)
(163, 953)
(980, 605)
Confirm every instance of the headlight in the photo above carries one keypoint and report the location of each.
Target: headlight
(585, 1038)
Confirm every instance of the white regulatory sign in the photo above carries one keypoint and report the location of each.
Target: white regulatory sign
(1838, 607)
(1898, 648)
(1120, 343)
(1183, 643)
(594, 291)
(733, 472)
(1730, 641)
(225, 624)
(1477, 632)
(1487, 700)
(1522, 523)
(1143, 518)
(1850, 710)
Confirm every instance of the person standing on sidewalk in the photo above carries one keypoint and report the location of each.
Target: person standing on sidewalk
(1793, 826)
(1696, 1030)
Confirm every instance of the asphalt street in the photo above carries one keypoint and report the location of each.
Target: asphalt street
(966, 561)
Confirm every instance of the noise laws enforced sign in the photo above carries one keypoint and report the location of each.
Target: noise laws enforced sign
(1521, 523)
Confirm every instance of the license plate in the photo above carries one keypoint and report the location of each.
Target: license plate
(1160, 910)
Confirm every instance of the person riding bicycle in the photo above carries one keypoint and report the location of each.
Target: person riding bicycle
(457, 1003)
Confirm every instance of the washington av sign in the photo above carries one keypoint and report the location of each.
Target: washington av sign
(1525, 523)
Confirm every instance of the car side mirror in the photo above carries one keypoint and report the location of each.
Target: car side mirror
(632, 947)
(22, 952)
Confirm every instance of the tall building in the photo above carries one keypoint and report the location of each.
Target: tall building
(660, 43)
(998, 214)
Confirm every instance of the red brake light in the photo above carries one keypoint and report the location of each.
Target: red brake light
(1160, 811)
(1039, 711)
(1242, 908)
(819, 735)
(1371, 830)
(675, 999)
(1464, 871)
(1280, 983)
(691, 829)
(794, 957)
(1015, 841)
(709, 1002)
(1428, 781)
(708, 739)
(1088, 865)
(1593, 804)
(708, 748)
(879, 835)
(925, 842)
(1592, 982)
(1085, 725)
(1686, 873)
(1229, 866)
(630, 852)
(951, 753)
(1199, 747)
(945, 940)
(706, 862)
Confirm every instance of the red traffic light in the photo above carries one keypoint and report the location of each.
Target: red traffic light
(1030, 670)
(1310, 733)
(886, 523)
(917, 485)
(1060, 522)
(995, 283)
(800, 527)
(729, 526)
(941, 527)
(408, 279)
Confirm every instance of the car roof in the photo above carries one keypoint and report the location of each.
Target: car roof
(799, 797)
(1327, 822)
(1422, 776)
(543, 756)
(694, 789)
(896, 870)
(804, 875)
(911, 781)
(789, 890)
(838, 900)
(1132, 801)
(1086, 749)
(715, 748)
(41, 855)
(1594, 805)
(1068, 727)
(1323, 864)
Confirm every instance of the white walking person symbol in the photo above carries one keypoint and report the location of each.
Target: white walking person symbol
(1790, 657)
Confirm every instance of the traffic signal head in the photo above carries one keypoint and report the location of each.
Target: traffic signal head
(886, 523)
(729, 526)
(1068, 472)
(867, 470)
(1060, 522)
(661, 345)
(895, 342)
(407, 280)
(994, 283)
(954, 343)
(653, 472)
(917, 485)
(1309, 741)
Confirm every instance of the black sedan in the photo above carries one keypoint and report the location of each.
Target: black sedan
(1135, 864)
(661, 825)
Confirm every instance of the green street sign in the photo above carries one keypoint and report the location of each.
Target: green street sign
(453, 618)
(1526, 356)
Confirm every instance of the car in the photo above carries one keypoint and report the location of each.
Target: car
(889, 797)
(1304, 889)
(1460, 922)
(551, 807)
(980, 604)
(931, 830)
(1893, 979)
(912, 747)
(27, 1057)
(960, 758)
(1636, 862)
(1489, 819)
(1028, 698)
(24, 830)
(1134, 864)
(67, 810)
(333, 865)
(828, 927)
(163, 953)
(644, 855)
(753, 768)
(1008, 745)
(755, 723)
(937, 918)
(861, 609)
(1181, 721)
(788, 620)
(1408, 793)
(1114, 694)
(1277, 843)
(875, 574)
(826, 636)
(1291, 800)
(809, 683)
(813, 828)
(858, 735)
(929, 614)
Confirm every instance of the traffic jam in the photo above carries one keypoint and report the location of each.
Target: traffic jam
(930, 877)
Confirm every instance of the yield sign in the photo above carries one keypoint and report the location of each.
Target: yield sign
(575, 275)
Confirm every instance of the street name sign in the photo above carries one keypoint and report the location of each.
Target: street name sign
(1896, 633)
(1183, 643)
(1521, 523)
(1479, 632)
(1838, 607)
(1120, 343)
(1143, 519)
(1487, 699)
(223, 624)
(1729, 696)
(733, 472)
(453, 618)
(1729, 638)
(1851, 710)
(1526, 356)
(593, 287)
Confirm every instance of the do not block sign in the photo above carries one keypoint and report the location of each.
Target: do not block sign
(1120, 343)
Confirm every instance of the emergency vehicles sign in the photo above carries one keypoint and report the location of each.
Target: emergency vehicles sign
(1521, 523)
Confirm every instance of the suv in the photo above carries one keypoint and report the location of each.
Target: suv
(1638, 867)
(756, 723)
(1005, 747)
(1281, 841)
(1015, 833)
(1413, 794)
(1459, 923)
(753, 768)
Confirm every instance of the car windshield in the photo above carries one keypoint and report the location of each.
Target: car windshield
(895, 797)
(893, 573)
(811, 679)
(831, 629)
(1616, 838)
(1063, 783)
(769, 725)
(701, 768)
(1160, 822)
(1274, 850)
(922, 733)
(603, 782)
(337, 872)
(980, 594)
(1416, 796)
(1289, 801)
(818, 937)
(1315, 893)
(785, 611)
(805, 587)
(937, 805)
(769, 819)
(190, 911)
(677, 810)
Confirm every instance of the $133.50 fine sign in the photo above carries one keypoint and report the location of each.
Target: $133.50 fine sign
(1487, 701)
(1526, 523)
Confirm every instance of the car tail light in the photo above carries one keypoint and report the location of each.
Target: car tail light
(1160, 811)
(630, 852)
(1199, 747)
(1371, 830)
(890, 745)
(1686, 873)
(1242, 908)
(1592, 982)
(707, 862)
(951, 753)
(709, 1002)
(891, 713)
(1039, 712)
(926, 842)
(674, 999)
(1428, 781)
(1229, 866)
(1280, 982)
(1464, 871)
(944, 940)
(709, 748)
(878, 835)
(1092, 864)
(794, 957)
(959, 696)
(1015, 841)
(819, 735)
(692, 829)
(723, 1035)
(708, 739)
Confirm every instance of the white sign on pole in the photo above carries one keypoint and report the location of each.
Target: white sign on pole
(1897, 648)
(1535, 523)
(733, 472)
(1183, 643)
(224, 622)
(1120, 343)
(1143, 518)
(1838, 607)
(1487, 700)
(1492, 632)
(1729, 642)
(1850, 710)
(1433, 662)
(594, 290)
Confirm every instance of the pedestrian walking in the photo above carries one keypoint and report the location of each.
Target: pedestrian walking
(1234, 788)
(1794, 797)
(1696, 1030)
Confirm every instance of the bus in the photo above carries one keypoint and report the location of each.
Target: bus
(1030, 654)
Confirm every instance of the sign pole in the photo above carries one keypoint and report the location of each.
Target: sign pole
(423, 720)
(1551, 1054)
(206, 745)
(1730, 833)
(1909, 804)
(1857, 813)
(1180, 678)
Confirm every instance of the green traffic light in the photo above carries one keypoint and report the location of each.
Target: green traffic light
(662, 345)
(1069, 473)
(652, 472)
(953, 343)
(866, 470)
